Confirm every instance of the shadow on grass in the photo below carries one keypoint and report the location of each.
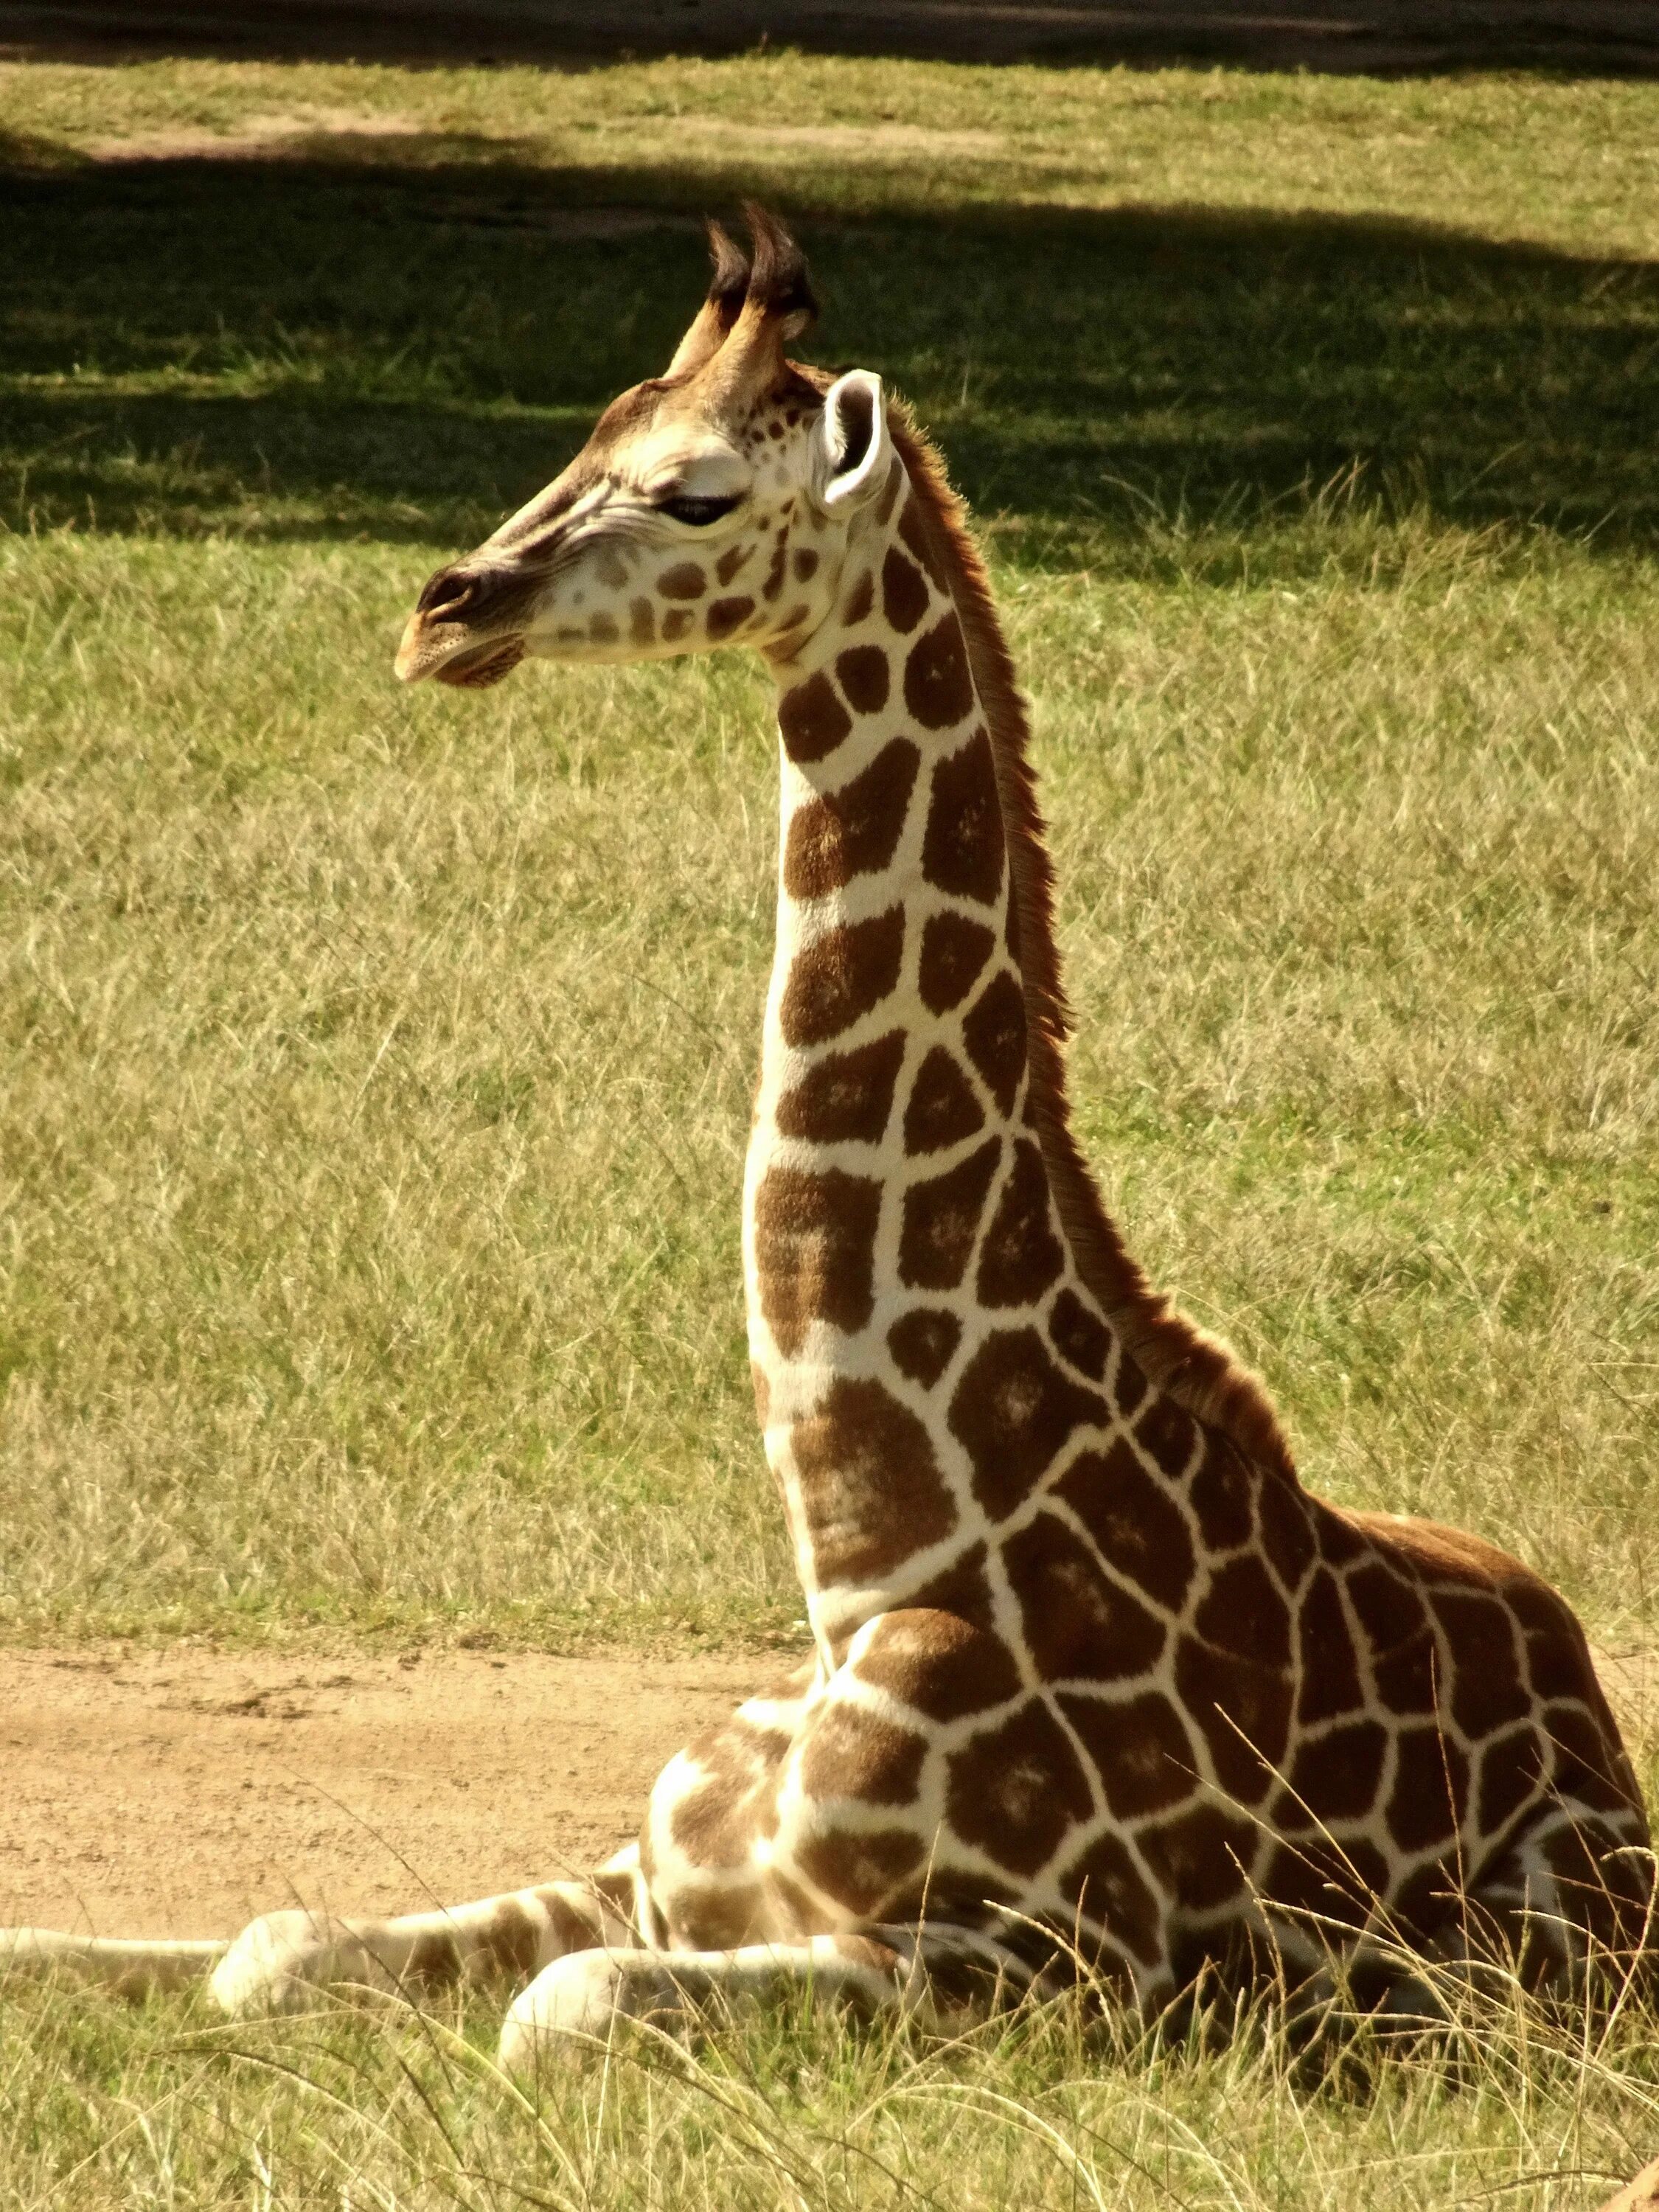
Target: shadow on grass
(404, 347)
(1594, 37)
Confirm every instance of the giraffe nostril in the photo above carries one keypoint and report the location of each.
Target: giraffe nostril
(448, 592)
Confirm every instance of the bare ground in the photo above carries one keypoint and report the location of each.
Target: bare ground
(181, 1791)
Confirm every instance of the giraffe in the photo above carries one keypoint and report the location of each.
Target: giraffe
(1097, 1687)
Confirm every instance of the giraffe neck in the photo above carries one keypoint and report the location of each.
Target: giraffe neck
(925, 1351)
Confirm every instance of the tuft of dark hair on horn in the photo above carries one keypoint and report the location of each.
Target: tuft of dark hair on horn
(728, 288)
(779, 283)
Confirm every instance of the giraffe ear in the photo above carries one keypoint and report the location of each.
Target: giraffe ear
(855, 448)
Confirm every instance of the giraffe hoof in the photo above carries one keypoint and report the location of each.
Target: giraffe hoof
(577, 2000)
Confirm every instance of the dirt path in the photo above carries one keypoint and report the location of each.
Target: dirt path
(181, 1791)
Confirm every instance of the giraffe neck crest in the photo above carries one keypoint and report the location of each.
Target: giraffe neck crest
(943, 1320)
(1199, 1372)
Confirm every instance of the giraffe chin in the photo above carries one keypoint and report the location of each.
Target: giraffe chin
(484, 665)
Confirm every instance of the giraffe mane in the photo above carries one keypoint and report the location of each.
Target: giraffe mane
(1196, 1370)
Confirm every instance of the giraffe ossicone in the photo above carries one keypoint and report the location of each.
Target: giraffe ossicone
(1095, 1685)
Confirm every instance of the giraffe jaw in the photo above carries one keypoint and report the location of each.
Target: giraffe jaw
(444, 650)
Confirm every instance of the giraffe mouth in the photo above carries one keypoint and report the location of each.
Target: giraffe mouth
(481, 666)
(436, 649)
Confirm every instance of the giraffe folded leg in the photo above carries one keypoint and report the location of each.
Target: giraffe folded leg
(903, 1973)
(280, 1962)
(132, 1967)
(1568, 1909)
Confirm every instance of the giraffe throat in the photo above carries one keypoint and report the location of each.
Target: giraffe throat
(926, 1355)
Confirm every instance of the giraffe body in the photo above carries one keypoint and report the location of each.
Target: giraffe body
(1095, 1683)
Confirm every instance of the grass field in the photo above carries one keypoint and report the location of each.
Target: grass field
(376, 1067)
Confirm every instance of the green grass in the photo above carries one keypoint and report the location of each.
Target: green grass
(376, 1067)
(108, 2107)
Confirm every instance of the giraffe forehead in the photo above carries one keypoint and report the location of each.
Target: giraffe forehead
(690, 450)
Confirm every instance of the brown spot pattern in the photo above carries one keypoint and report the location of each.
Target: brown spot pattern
(1511, 1774)
(1196, 1858)
(994, 1030)
(1105, 1886)
(953, 951)
(871, 1488)
(941, 1664)
(1078, 1623)
(961, 847)
(913, 531)
(845, 1096)
(1137, 1526)
(1014, 1789)
(922, 1342)
(1409, 1679)
(1390, 1611)
(675, 625)
(1336, 1776)
(941, 1219)
(1139, 1747)
(943, 1109)
(1080, 1334)
(1328, 1881)
(512, 1940)
(1243, 1710)
(860, 601)
(1488, 1691)
(1021, 1255)
(862, 670)
(1330, 1669)
(1220, 1490)
(727, 614)
(903, 591)
(1430, 1785)
(938, 688)
(962, 1589)
(860, 1868)
(852, 832)
(851, 1753)
(1010, 1413)
(1287, 1535)
(685, 581)
(1585, 1771)
(814, 1251)
(1243, 1614)
(812, 719)
(1130, 1386)
(841, 975)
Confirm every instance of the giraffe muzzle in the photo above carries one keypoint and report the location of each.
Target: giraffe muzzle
(447, 651)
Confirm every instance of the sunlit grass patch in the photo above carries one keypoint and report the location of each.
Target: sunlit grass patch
(378, 1069)
(1059, 2107)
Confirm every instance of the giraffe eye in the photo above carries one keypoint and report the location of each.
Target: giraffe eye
(698, 512)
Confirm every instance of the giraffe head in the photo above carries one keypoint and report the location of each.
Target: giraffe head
(710, 506)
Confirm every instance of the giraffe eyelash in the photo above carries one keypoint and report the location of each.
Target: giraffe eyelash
(700, 512)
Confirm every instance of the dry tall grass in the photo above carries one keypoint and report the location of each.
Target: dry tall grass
(373, 1070)
(379, 1068)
